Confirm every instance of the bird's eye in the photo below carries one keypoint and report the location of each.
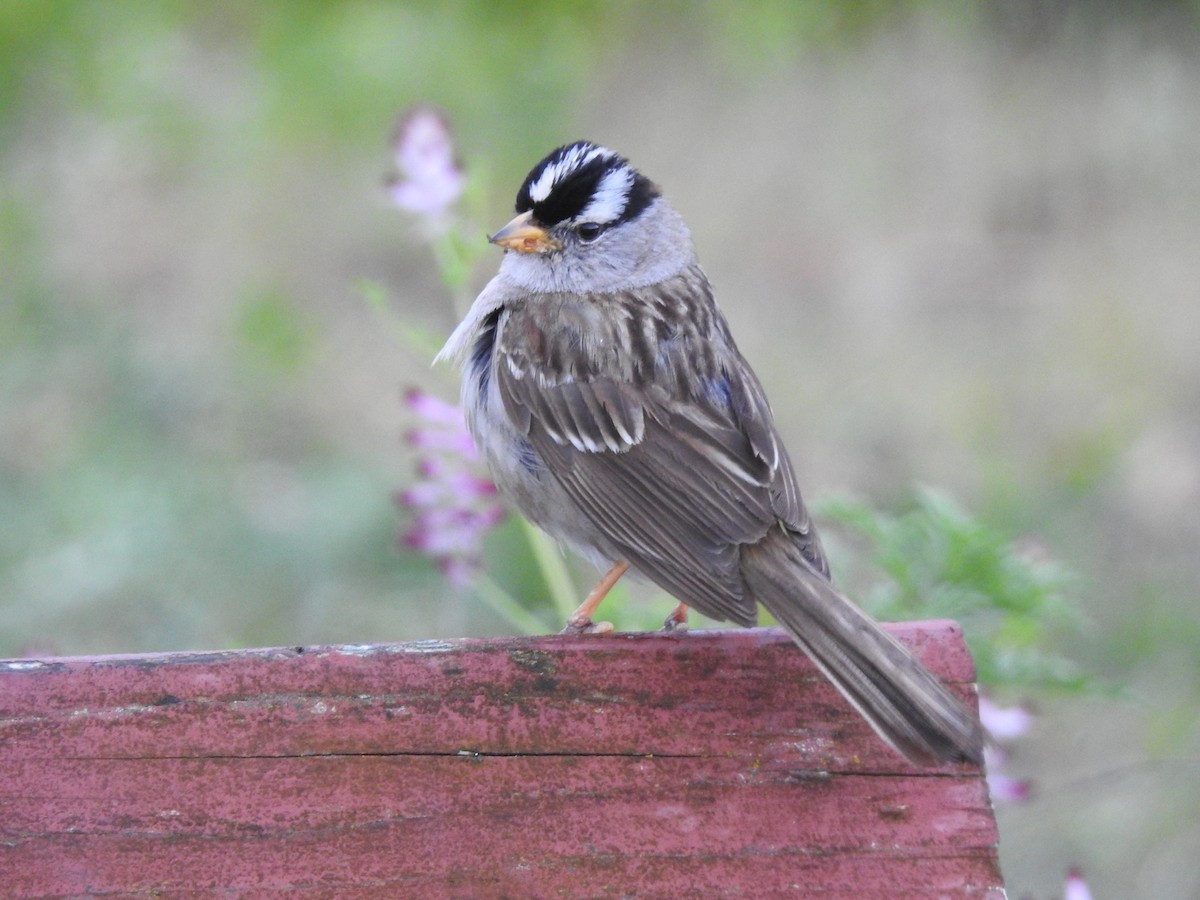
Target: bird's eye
(589, 231)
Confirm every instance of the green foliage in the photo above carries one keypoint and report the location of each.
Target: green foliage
(933, 560)
(271, 330)
(140, 512)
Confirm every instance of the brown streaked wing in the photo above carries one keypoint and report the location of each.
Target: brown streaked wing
(667, 505)
(676, 481)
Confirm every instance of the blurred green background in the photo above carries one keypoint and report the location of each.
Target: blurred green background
(960, 244)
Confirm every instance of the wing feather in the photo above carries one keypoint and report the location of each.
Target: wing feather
(671, 454)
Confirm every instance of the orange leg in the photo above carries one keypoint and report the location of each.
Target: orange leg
(580, 621)
(677, 620)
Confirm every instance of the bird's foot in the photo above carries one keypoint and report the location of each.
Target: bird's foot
(584, 625)
(580, 621)
(677, 621)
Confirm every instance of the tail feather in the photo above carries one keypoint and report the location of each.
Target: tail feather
(909, 707)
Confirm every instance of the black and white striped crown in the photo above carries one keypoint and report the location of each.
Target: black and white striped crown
(582, 182)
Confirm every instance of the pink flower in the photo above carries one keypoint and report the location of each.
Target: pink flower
(456, 442)
(444, 429)
(448, 531)
(1003, 724)
(1002, 787)
(1075, 887)
(433, 409)
(429, 177)
(454, 506)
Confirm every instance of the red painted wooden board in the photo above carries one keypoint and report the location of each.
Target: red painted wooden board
(716, 763)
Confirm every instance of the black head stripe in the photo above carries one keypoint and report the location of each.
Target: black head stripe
(563, 185)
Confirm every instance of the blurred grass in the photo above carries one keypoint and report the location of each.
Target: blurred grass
(958, 242)
(933, 560)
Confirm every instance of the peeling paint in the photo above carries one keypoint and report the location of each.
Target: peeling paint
(511, 767)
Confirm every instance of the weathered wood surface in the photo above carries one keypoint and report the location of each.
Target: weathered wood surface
(711, 763)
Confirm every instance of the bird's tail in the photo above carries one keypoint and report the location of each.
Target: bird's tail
(909, 707)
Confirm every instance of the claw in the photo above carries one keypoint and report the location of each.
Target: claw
(581, 620)
(584, 625)
(677, 621)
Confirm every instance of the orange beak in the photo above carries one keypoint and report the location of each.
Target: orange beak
(525, 236)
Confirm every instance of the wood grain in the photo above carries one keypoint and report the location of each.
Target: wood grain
(717, 763)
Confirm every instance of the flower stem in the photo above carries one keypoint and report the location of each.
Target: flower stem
(554, 570)
(506, 606)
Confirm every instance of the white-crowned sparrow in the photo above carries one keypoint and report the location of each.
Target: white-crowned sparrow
(603, 387)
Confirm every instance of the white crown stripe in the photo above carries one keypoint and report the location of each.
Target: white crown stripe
(573, 159)
(540, 189)
(608, 203)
